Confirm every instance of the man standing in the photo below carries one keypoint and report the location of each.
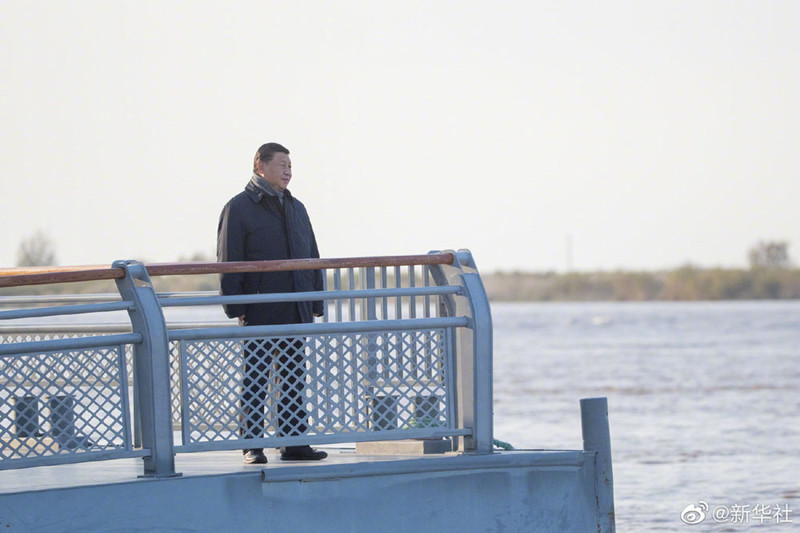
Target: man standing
(265, 222)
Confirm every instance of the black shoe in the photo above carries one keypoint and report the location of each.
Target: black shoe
(254, 457)
(302, 453)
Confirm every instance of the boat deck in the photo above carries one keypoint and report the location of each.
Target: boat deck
(215, 463)
(188, 464)
(522, 490)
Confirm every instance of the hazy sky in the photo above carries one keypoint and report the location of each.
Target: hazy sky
(652, 133)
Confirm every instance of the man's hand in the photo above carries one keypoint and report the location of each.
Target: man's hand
(241, 320)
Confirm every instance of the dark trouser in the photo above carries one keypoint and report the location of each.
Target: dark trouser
(259, 357)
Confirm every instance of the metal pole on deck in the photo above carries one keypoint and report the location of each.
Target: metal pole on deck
(474, 363)
(151, 364)
(482, 376)
(597, 439)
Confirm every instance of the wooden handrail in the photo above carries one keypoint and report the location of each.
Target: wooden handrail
(61, 276)
(16, 277)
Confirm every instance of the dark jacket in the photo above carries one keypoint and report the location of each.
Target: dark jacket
(254, 226)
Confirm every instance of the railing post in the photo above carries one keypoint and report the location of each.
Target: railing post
(597, 438)
(482, 357)
(482, 431)
(473, 372)
(151, 364)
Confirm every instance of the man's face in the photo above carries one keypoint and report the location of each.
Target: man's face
(278, 172)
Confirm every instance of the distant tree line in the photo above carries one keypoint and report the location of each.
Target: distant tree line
(770, 276)
(686, 283)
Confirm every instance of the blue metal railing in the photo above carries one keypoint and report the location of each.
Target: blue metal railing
(403, 352)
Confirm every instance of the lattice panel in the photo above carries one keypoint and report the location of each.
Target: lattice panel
(46, 336)
(68, 402)
(323, 384)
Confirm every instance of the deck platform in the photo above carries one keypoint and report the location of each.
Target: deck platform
(526, 490)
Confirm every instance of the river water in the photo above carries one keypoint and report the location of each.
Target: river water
(703, 403)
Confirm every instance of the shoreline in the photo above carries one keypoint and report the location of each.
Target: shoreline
(682, 284)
